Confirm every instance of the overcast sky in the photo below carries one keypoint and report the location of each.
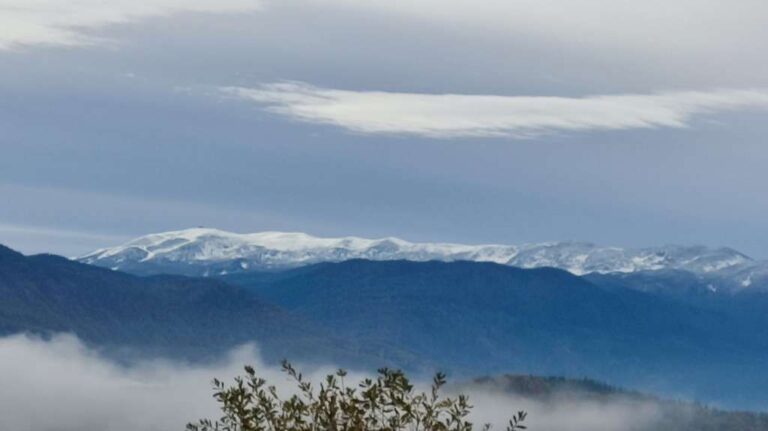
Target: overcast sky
(507, 121)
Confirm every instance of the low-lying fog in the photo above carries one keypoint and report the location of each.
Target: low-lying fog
(61, 385)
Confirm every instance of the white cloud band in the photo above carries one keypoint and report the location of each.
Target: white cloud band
(457, 115)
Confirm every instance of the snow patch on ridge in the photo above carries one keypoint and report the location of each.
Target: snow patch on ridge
(202, 251)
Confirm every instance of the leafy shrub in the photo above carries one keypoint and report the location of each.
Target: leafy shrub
(386, 403)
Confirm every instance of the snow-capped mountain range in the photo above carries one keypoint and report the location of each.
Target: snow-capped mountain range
(208, 252)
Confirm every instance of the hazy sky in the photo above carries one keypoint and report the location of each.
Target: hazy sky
(612, 121)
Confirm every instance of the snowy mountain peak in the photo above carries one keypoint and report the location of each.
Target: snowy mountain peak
(203, 251)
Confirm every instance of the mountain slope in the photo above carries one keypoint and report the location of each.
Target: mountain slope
(703, 291)
(465, 317)
(128, 315)
(483, 317)
(204, 252)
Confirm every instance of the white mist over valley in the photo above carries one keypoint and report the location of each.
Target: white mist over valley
(74, 388)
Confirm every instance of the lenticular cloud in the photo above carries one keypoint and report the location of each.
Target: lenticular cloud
(462, 115)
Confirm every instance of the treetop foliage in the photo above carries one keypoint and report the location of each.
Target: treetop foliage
(386, 403)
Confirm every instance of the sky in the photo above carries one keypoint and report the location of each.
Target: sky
(609, 121)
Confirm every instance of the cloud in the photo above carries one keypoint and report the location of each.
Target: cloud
(62, 385)
(65, 22)
(459, 115)
(672, 26)
(565, 413)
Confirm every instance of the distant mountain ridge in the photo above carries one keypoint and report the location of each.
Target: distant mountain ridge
(210, 252)
(462, 317)
(467, 318)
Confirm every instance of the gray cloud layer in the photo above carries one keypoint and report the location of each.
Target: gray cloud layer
(62, 22)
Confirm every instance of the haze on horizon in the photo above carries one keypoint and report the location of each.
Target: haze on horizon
(619, 123)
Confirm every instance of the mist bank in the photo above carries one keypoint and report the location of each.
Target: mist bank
(61, 384)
